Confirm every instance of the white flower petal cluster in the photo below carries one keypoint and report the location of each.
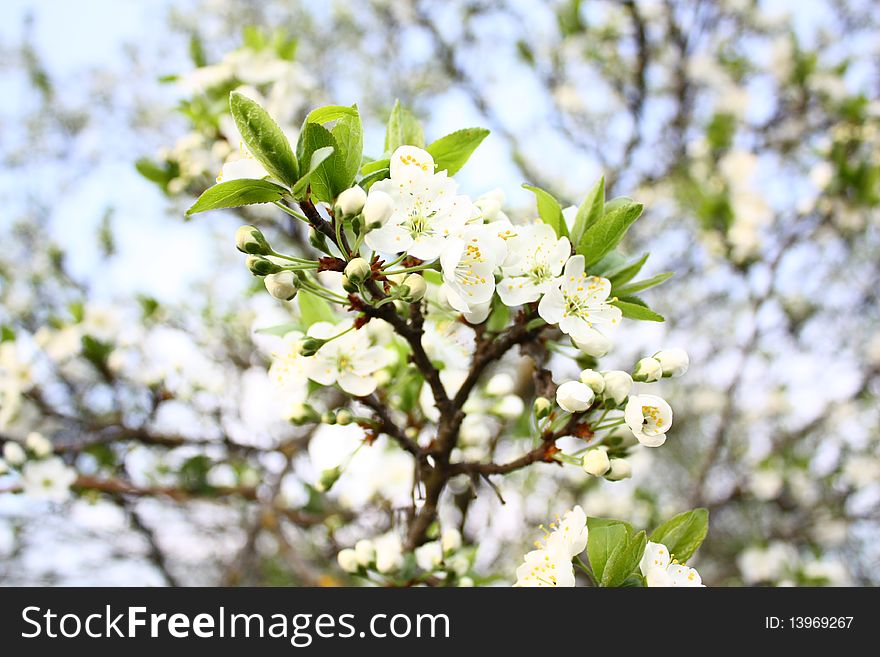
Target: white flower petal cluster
(550, 564)
(658, 569)
(649, 418)
(48, 479)
(349, 360)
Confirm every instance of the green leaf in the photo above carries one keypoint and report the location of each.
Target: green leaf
(403, 129)
(644, 284)
(312, 138)
(624, 560)
(160, 174)
(349, 135)
(611, 262)
(330, 113)
(635, 308)
(684, 533)
(317, 159)
(590, 210)
(279, 329)
(234, 193)
(452, 151)
(499, 317)
(604, 538)
(375, 165)
(626, 272)
(549, 210)
(367, 181)
(314, 309)
(601, 238)
(264, 138)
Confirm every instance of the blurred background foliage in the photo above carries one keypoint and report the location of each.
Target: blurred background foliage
(750, 130)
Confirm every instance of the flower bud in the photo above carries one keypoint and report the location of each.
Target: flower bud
(348, 286)
(249, 239)
(593, 380)
(358, 270)
(302, 413)
(351, 201)
(415, 288)
(617, 386)
(348, 561)
(674, 362)
(328, 417)
(365, 552)
(596, 462)
(13, 453)
(500, 384)
(450, 540)
(328, 478)
(309, 346)
(466, 582)
(593, 344)
(378, 208)
(574, 396)
(542, 407)
(620, 469)
(647, 370)
(38, 444)
(260, 266)
(343, 417)
(282, 285)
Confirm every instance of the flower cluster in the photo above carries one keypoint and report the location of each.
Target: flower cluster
(550, 563)
(659, 569)
(43, 476)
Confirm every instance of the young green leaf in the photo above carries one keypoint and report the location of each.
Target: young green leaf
(380, 174)
(590, 210)
(349, 135)
(234, 193)
(603, 539)
(264, 138)
(644, 284)
(684, 533)
(624, 560)
(315, 137)
(451, 152)
(314, 309)
(549, 210)
(600, 238)
(403, 129)
(625, 272)
(279, 329)
(330, 113)
(374, 165)
(317, 159)
(635, 308)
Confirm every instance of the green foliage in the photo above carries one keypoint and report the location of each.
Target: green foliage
(614, 550)
(264, 138)
(235, 193)
(684, 533)
(589, 211)
(624, 273)
(314, 309)
(644, 284)
(336, 172)
(607, 231)
(451, 152)
(194, 474)
(316, 159)
(161, 174)
(549, 210)
(403, 128)
(635, 308)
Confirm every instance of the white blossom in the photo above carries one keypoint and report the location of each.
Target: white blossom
(468, 262)
(13, 453)
(378, 207)
(348, 360)
(352, 200)
(579, 302)
(647, 370)
(535, 260)
(617, 385)
(429, 555)
(674, 362)
(49, 479)
(655, 566)
(594, 380)
(427, 208)
(38, 444)
(389, 552)
(596, 462)
(649, 417)
(620, 469)
(348, 560)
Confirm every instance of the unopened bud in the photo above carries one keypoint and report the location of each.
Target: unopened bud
(378, 208)
(674, 362)
(302, 413)
(647, 370)
(347, 285)
(343, 417)
(415, 288)
(310, 346)
(358, 270)
(260, 266)
(347, 560)
(351, 201)
(593, 380)
(617, 386)
(318, 240)
(365, 552)
(13, 453)
(328, 478)
(542, 407)
(282, 285)
(596, 462)
(328, 417)
(38, 444)
(249, 239)
(620, 469)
